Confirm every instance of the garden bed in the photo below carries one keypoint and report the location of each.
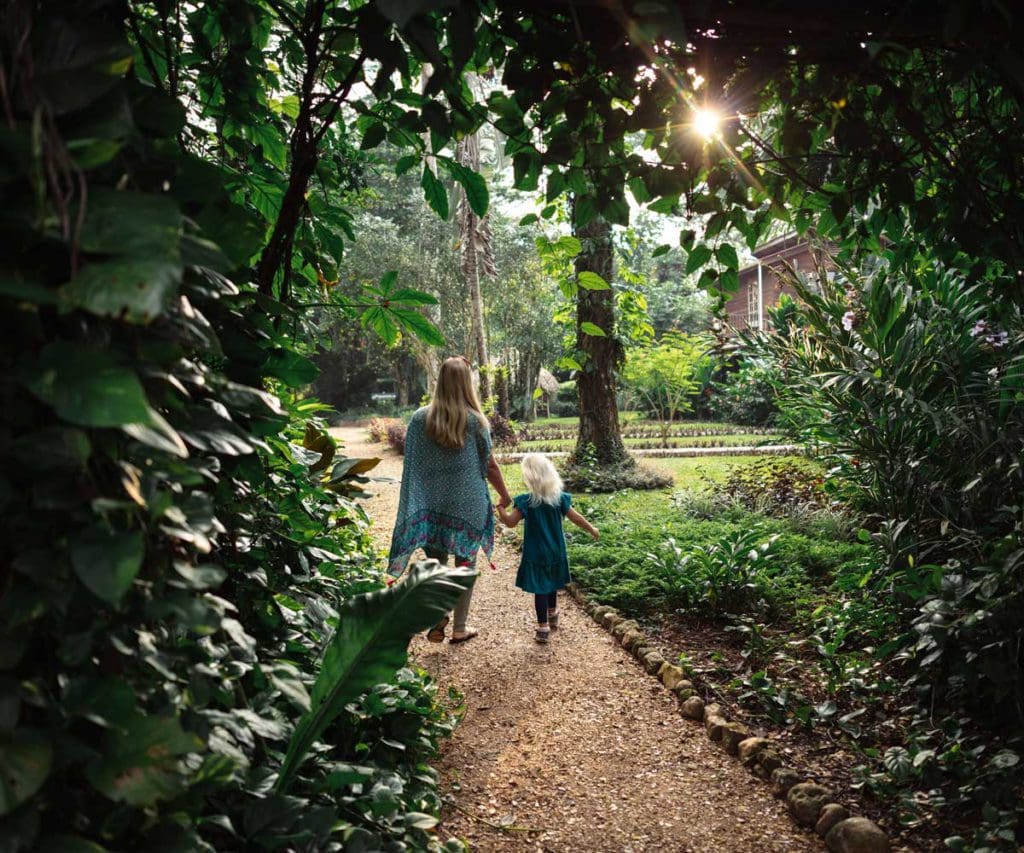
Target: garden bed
(765, 661)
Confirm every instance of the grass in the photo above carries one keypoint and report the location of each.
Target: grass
(686, 472)
(636, 419)
(723, 440)
(632, 566)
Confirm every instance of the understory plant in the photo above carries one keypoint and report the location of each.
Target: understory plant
(733, 574)
(909, 377)
(181, 553)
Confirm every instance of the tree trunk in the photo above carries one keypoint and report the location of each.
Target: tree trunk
(479, 341)
(528, 410)
(474, 238)
(595, 383)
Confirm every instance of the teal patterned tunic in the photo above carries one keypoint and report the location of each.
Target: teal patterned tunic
(444, 503)
(544, 567)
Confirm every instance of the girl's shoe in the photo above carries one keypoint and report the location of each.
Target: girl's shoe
(436, 634)
(553, 619)
(542, 635)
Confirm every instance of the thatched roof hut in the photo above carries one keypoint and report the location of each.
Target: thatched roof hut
(547, 383)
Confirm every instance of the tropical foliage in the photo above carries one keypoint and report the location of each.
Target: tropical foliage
(664, 375)
(183, 184)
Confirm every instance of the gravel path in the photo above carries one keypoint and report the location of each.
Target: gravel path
(571, 747)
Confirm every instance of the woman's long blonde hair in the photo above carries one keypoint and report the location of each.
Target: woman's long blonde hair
(542, 480)
(454, 397)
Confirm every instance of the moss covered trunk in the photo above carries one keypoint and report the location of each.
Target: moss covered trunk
(599, 412)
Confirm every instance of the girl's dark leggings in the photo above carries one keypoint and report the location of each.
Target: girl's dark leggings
(544, 603)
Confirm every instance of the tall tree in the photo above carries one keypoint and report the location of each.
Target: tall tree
(602, 352)
(476, 255)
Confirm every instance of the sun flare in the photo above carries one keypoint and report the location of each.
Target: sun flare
(707, 122)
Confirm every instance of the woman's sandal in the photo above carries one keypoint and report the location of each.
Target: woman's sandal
(436, 634)
(542, 635)
(468, 635)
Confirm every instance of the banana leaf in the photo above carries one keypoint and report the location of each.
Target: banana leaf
(370, 645)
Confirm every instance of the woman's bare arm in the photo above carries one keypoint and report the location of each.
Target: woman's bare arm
(580, 521)
(495, 478)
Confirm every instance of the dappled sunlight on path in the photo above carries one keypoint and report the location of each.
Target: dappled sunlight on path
(572, 745)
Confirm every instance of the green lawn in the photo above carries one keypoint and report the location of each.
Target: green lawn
(723, 440)
(572, 421)
(686, 472)
(635, 525)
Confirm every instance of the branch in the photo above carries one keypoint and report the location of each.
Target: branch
(147, 57)
(343, 90)
(284, 14)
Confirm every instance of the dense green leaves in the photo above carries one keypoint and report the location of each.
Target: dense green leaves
(177, 554)
(25, 761)
(139, 760)
(107, 562)
(86, 386)
(370, 644)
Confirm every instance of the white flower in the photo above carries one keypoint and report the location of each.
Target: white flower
(980, 328)
(849, 320)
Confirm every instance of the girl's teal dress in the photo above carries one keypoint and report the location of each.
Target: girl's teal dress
(545, 565)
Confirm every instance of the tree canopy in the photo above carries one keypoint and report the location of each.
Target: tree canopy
(181, 184)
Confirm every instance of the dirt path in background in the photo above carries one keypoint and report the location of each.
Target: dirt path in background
(572, 742)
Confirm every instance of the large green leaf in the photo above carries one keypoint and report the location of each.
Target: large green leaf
(126, 223)
(420, 326)
(291, 368)
(139, 764)
(434, 192)
(699, 256)
(25, 760)
(107, 562)
(726, 255)
(371, 643)
(591, 281)
(86, 386)
(409, 296)
(133, 289)
(382, 322)
(474, 185)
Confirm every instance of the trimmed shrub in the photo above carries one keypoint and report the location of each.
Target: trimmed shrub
(378, 428)
(396, 436)
(502, 433)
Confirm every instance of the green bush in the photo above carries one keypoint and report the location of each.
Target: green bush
(910, 386)
(733, 574)
(178, 540)
(748, 394)
(632, 567)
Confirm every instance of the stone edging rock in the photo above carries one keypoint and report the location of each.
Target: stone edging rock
(810, 804)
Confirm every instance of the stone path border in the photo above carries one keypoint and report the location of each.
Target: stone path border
(809, 804)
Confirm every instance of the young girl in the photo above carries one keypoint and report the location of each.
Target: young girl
(544, 568)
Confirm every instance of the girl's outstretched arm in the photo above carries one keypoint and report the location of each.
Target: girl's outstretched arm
(509, 519)
(580, 521)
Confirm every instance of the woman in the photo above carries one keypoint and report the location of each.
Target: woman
(444, 506)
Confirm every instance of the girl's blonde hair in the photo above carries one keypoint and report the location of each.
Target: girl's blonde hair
(542, 480)
(454, 397)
